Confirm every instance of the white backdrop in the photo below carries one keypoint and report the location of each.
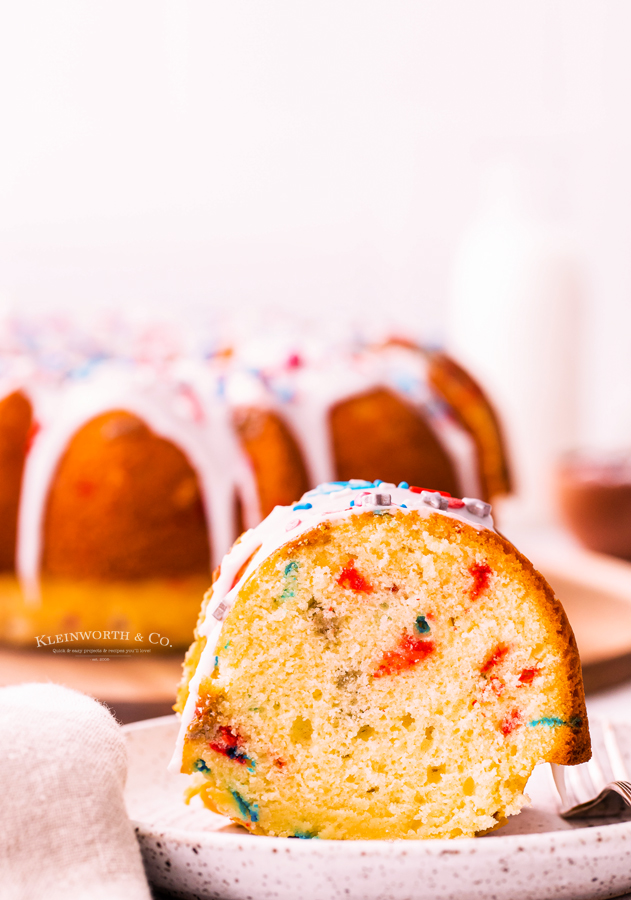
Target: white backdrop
(322, 156)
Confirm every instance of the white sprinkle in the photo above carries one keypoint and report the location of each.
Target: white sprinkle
(221, 610)
(477, 507)
(434, 499)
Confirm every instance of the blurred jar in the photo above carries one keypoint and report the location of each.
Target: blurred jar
(594, 496)
(514, 321)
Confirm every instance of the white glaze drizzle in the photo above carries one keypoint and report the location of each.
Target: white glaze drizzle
(317, 390)
(304, 397)
(328, 503)
(207, 441)
(407, 374)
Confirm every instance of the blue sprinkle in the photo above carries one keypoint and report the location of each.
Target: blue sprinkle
(550, 721)
(200, 766)
(304, 835)
(404, 506)
(290, 574)
(406, 382)
(555, 722)
(225, 646)
(422, 625)
(303, 506)
(216, 661)
(246, 810)
(352, 503)
(240, 756)
(284, 392)
(404, 484)
(329, 488)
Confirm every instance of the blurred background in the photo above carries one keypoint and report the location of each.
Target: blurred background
(457, 172)
(450, 172)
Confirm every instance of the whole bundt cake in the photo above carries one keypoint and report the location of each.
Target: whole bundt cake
(124, 479)
(377, 662)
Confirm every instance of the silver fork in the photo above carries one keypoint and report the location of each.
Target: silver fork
(600, 787)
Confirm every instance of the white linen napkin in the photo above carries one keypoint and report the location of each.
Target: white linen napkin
(64, 830)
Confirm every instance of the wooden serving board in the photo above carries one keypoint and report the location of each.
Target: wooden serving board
(595, 591)
(132, 688)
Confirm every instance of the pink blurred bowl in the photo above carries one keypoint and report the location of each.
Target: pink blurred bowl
(594, 496)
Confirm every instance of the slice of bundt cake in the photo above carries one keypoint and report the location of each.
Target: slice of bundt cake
(377, 662)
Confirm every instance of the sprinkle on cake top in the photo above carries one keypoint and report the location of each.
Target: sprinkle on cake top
(330, 502)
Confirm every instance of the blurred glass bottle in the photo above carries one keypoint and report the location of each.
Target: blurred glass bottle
(514, 319)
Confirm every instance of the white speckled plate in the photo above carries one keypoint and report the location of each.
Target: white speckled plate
(193, 853)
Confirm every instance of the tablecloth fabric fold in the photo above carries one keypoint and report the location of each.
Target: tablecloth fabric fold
(64, 830)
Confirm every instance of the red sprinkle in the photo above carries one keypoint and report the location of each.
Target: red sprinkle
(228, 743)
(350, 578)
(239, 574)
(195, 405)
(227, 738)
(481, 573)
(294, 361)
(31, 434)
(85, 488)
(510, 722)
(409, 652)
(496, 657)
(200, 708)
(418, 490)
(454, 503)
(529, 674)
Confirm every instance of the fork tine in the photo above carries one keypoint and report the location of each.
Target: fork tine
(560, 782)
(591, 788)
(600, 787)
(577, 792)
(613, 752)
(624, 787)
(596, 774)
